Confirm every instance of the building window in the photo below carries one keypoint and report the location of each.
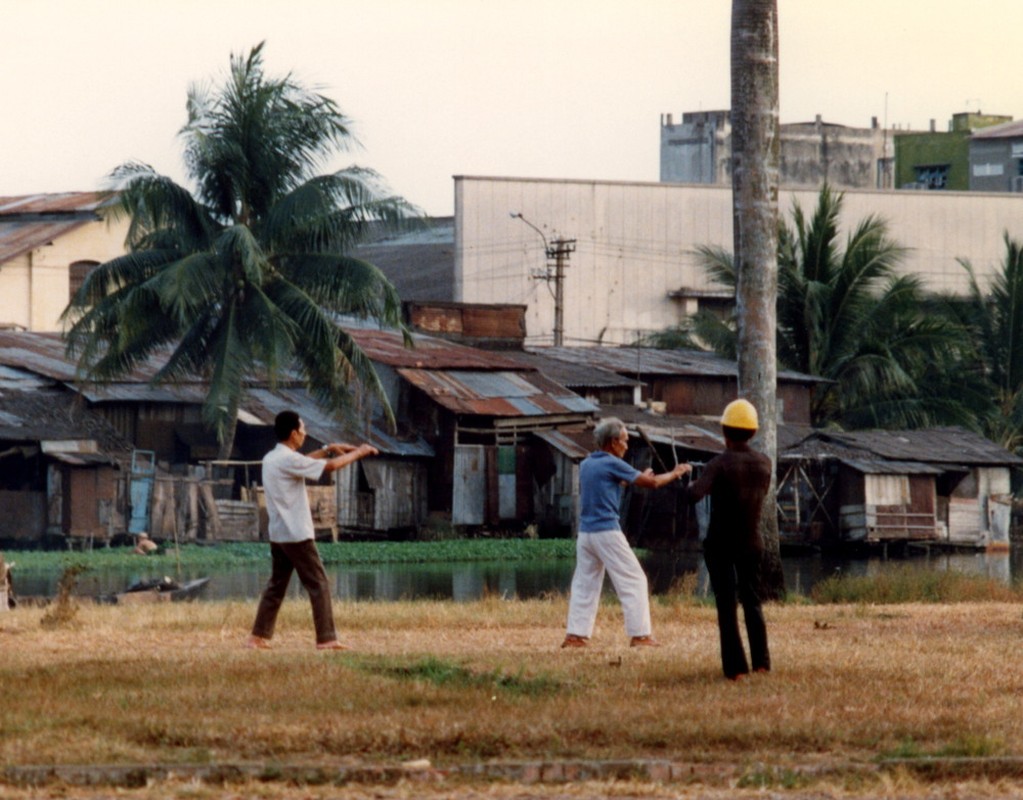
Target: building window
(988, 170)
(934, 176)
(77, 273)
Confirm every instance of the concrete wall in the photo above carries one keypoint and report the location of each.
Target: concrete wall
(695, 150)
(34, 287)
(698, 150)
(845, 157)
(635, 243)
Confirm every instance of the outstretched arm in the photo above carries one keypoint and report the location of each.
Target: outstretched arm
(349, 455)
(332, 450)
(648, 480)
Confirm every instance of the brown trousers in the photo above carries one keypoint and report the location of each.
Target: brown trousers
(303, 558)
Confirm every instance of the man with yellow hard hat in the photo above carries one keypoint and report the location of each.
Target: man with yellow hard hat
(737, 481)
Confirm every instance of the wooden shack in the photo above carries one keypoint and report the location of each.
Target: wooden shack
(60, 464)
(881, 502)
(944, 485)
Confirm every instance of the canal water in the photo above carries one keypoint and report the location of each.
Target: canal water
(471, 581)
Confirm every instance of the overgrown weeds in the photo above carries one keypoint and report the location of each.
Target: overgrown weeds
(63, 612)
(905, 584)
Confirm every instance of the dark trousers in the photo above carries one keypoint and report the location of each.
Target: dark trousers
(303, 558)
(731, 577)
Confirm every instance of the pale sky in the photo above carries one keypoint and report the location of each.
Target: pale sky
(437, 88)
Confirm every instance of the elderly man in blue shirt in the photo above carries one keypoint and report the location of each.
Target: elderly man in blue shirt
(602, 547)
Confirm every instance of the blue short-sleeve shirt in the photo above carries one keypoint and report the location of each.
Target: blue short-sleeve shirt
(600, 490)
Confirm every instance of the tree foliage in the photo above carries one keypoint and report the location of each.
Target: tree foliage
(846, 315)
(244, 277)
(993, 319)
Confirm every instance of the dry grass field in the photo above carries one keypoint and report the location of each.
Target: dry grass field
(904, 700)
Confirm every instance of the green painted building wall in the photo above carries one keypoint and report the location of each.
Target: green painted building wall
(917, 150)
(948, 151)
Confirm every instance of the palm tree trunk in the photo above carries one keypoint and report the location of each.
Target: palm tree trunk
(755, 224)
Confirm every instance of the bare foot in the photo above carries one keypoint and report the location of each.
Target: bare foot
(335, 645)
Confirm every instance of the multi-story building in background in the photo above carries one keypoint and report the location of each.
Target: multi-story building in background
(996, 158)
(936, 159)
(699, 150)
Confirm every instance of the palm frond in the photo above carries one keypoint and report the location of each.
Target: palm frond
(246, 276)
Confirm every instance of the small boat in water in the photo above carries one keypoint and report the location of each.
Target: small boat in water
(159, 590)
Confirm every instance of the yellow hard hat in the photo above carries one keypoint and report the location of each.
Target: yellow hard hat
(740, 414)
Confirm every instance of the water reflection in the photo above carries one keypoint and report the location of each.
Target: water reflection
(471, 581)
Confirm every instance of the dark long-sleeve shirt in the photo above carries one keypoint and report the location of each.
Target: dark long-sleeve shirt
(737, 482)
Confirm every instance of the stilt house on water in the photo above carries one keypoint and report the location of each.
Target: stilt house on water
(943, 485)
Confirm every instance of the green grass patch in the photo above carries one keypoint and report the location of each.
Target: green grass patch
(241, 554)
(764, 777)
(906, 584)
(444, 673)
(965, 746)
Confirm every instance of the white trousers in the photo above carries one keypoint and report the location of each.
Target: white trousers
(610, 551)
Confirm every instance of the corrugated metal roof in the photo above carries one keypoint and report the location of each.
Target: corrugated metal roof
(1007, 130)
(570, 445)
(388, 347)
(641, 361)
(17, 238)
(322, 426)
(571, 374)
(31, 221)
(192, 393)
(497, 394)
(48, 415)
(420, 263)
(930, 446)
(55, 203)
(874, 466)
(44, 354)
(20, 379)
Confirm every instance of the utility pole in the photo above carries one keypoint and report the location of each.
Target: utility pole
(559, 250)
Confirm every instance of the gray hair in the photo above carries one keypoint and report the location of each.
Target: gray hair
(607, 429)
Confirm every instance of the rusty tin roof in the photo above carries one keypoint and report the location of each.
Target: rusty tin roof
(31, 221)
(388, 347)
(497, 394)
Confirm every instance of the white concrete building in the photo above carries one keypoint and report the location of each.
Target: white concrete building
(634, 269)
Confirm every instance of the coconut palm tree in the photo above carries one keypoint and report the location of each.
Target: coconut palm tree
(994, 321)
(246, 276)
(846, 315)
(755, 153)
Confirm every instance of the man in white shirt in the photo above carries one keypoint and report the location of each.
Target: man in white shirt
(292, 538)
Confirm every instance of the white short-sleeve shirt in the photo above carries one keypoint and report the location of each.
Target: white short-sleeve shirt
(287, 502)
